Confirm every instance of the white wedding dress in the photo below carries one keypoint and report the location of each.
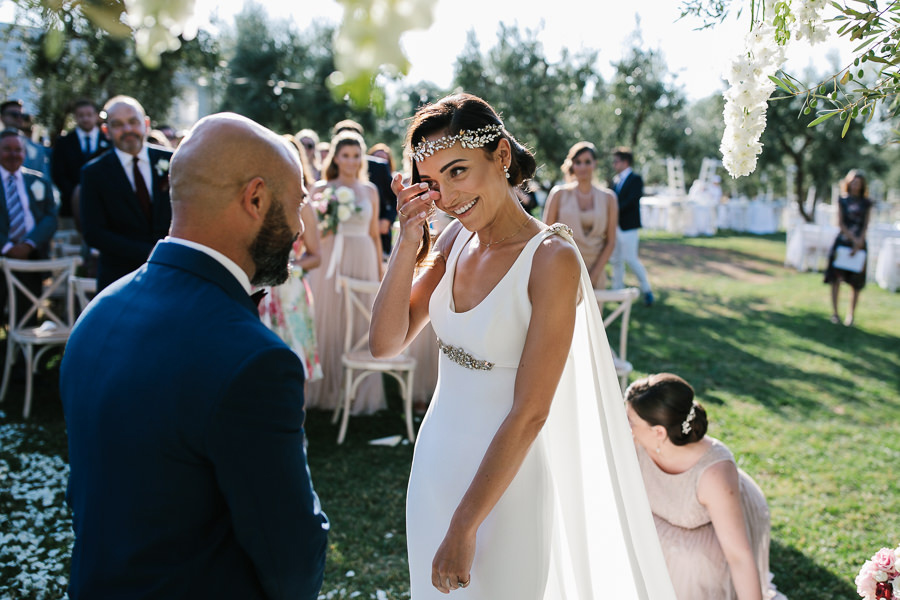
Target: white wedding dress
(575, 523)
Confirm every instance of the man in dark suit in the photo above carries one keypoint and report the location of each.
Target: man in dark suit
(629, 188)
(73, 150)
(124, 201)
(184, 412)
(380, 175)
(28, 218)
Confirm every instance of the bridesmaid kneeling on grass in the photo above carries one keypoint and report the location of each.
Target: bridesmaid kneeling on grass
(712, 518)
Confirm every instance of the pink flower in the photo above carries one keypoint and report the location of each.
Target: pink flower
(865, 583)
(885, 560)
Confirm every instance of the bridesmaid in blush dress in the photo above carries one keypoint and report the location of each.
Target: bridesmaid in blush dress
(353, 249)
(712, 518)
(589, 210)
(524, 482)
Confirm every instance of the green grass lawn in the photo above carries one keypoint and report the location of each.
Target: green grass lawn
(810, 409)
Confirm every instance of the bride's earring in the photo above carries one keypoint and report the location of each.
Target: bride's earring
(658, 451)
(506, 171)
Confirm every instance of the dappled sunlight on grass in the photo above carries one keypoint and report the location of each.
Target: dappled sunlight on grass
(810, 410)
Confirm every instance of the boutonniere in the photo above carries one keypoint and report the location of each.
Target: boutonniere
(38, 189)
(162, 171)
(102, 143)
(162, 167)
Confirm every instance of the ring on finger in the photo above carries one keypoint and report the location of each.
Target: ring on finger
(462, 583)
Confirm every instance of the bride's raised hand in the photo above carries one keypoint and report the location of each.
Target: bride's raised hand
(452, 564)
(415, 203)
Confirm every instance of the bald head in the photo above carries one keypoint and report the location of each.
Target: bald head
(220, 155)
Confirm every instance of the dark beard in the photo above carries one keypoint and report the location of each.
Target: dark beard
(271, 250)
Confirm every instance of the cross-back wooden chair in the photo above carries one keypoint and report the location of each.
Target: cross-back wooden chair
(83, 289)
(358, 362)
(58, 321)
(625, 299)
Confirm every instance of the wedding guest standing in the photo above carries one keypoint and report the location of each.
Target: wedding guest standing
(348, 212)
(629, 188)
(712, 518)
(588, 209)
(124, 198)
(524, 483)
(308, 140)
(73, 150)
(380, 174)
(37, 156)
(184, 413)
(854, 209)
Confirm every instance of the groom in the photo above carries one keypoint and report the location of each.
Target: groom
(184, 412)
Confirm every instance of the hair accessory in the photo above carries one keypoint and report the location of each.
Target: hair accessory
(506, 171)
(476, 138)
(686, 424)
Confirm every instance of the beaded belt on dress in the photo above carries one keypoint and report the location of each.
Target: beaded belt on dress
(463, 358)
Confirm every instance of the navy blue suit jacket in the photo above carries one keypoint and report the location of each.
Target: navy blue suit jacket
(380, 175)
(186, 445)
(629, 196)
(112, 220)
(43, 208)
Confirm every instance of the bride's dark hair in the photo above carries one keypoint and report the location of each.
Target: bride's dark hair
(666, 399)
(464, 112)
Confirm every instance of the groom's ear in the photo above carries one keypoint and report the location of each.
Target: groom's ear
(255, 198)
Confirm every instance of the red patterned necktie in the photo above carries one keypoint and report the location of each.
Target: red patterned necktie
(140, 189)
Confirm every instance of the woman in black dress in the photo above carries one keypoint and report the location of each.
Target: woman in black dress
(854, 208)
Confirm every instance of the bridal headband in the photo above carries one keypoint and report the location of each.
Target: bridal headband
(477, 138)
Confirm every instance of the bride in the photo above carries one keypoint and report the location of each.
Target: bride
(524, 482)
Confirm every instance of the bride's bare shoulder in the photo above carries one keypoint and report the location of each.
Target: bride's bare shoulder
(557, 256)
(444, 242)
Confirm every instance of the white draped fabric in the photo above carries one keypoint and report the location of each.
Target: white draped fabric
(700, 215)
(887, 270)
(808, 245)
(613, 542)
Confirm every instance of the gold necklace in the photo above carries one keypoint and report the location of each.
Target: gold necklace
(521, 227)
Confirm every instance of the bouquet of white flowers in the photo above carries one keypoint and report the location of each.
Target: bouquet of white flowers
(334, 206)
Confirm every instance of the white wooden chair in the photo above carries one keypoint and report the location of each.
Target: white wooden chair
(83, 288)
(358, 362)
(55, 329)
(624, 298)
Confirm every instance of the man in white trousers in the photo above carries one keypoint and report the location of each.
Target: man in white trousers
(629, 188)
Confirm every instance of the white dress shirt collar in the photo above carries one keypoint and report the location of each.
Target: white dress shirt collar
(126, 159)
(4, 174)
(625, 173)
(92, 136)
(226, 262)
